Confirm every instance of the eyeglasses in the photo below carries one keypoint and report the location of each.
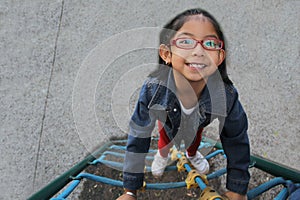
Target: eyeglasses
(212, 44)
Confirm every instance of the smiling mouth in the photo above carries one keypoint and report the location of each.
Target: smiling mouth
(196, 65)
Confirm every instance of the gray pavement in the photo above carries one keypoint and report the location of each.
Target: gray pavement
(45, 46)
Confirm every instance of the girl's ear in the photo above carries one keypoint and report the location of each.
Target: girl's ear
(222, 56)
(165, 53)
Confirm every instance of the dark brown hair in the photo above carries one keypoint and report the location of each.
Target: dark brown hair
(170, 29)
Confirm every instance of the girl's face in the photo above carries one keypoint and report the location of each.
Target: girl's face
(195, 64)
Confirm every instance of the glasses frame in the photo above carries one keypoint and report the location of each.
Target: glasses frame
(198, 42)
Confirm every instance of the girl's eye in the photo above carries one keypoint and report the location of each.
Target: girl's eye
(212, 44)
(185, 42)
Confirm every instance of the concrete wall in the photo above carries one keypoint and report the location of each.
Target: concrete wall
(48, 118)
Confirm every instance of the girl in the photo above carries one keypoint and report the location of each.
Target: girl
(189, 90)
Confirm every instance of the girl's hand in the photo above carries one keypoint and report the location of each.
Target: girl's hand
(235, 196)
(126, 197)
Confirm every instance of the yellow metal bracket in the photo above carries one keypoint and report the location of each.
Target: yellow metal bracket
(143, 188)
(180, 164)
(210, 194)
(174, 154)
(191, 179)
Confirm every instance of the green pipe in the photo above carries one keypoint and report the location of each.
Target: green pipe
(276, 169)
(56, 185)
(266, 165)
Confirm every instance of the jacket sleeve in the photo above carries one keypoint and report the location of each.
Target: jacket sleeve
(236, 146)
(139, 138)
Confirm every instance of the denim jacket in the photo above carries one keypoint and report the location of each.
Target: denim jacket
(158, 101)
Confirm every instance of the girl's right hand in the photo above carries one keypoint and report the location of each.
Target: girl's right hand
(235, 196)
(126, 197)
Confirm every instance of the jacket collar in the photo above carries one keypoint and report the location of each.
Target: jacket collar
(212, 100)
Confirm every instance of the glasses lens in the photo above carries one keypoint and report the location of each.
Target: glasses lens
(212, 43)
(185, 43)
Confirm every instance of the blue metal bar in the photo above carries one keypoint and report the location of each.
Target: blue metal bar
(119, 165)
(215, 153)
(120, 141)
(119, 147)
(265, 187)
(283, 194)
(112, 164)
(68, 190)
(122, 155)
(118, 155)
(154, 186)
(205, 145)
(216, 174)
(96, 161)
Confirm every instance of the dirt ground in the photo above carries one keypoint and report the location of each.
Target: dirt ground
(93, 190)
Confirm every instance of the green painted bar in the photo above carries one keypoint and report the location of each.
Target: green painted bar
(56, 185)
(276, 169)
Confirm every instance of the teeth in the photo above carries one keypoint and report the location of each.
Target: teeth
(196, 65)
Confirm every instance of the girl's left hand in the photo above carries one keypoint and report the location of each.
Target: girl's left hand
(235, 196)
(126, 197)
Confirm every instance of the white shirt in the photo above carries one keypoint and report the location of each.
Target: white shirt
(185, 110)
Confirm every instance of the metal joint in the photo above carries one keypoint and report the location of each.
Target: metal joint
(210, 194)
(191, 179)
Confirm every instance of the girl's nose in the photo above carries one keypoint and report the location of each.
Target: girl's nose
(198, 50)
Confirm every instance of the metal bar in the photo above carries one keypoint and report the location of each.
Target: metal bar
(283, 194)
(215, 153)
(265, 187)
(266, 165)
(276, 169)
(68, 190)
(153, 186)
(216, 174)
(56, 185)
